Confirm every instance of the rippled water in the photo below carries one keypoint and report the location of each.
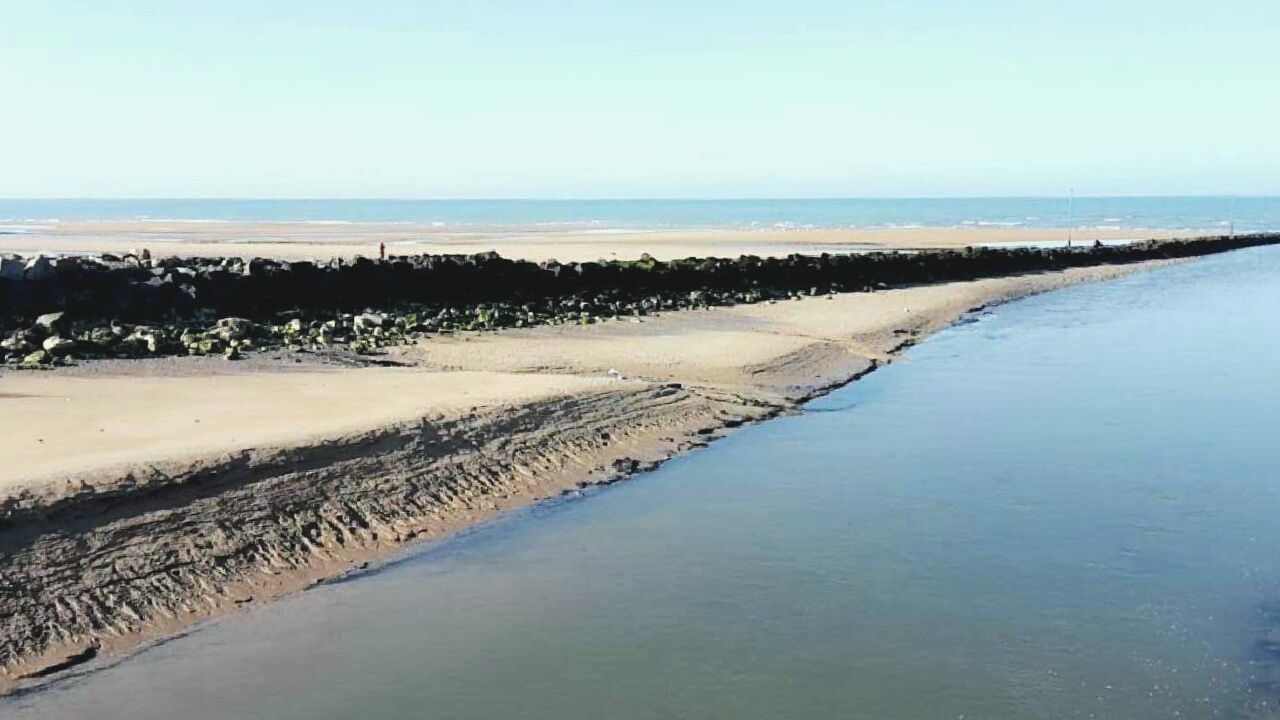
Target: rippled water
(1067, 508)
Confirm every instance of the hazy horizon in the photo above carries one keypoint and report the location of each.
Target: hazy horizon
(656, 198)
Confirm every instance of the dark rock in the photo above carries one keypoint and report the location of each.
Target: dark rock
(176, 302)
(12, 268)
(38, 269)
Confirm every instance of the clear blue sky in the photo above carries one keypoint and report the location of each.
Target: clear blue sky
(672, 98)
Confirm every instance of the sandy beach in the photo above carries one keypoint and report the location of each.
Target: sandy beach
(322, 241)
(235, 483)
(102, 425)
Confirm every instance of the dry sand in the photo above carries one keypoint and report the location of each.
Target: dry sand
(236, 487)
(306, 241)
(56, 426)
(780, 351)
(61, 423)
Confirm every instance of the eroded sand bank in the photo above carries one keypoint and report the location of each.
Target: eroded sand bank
(138, 502)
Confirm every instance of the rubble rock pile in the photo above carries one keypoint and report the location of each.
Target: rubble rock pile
(59, 309)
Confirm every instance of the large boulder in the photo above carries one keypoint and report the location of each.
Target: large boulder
(143, 338)
(19, 342)
(12, 268)
(369, 322)
(51, 323)
(38, 268)
(58, 346)
(234, 328)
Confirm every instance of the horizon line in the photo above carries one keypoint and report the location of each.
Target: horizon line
(691, 198)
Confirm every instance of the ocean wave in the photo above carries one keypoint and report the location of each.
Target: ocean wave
(21, 228)
(613, 231)
(148, 218)
(564, 223)
(659, 214)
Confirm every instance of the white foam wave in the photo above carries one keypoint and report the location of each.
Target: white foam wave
(611, 231)
(21, 228)
(148, 218)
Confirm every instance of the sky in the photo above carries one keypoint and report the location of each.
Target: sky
(669, 98)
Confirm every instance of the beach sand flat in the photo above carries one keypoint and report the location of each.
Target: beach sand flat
(62, 423)
(787, 348)
(308, 241)
(54, 426)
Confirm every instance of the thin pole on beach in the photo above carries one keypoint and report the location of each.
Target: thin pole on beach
(1071, 215)
(1233, 217)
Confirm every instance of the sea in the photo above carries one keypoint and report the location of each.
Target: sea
(1205, 213)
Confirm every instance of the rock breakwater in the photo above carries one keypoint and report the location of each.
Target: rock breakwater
(55, 310)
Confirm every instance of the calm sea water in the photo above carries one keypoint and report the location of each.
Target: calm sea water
(1202, 213)
(1065, 508)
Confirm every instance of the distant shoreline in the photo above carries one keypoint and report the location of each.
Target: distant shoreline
(312, 240)
(1208, 215)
